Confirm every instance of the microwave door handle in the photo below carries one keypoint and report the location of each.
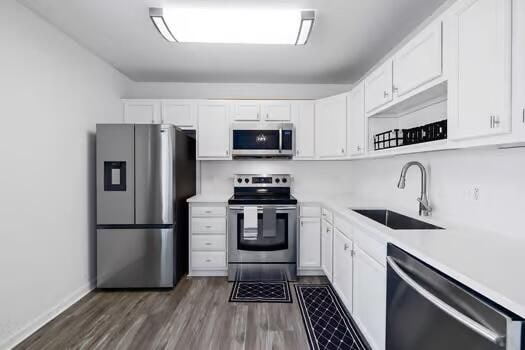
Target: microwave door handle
(462, 318)
(280, 140)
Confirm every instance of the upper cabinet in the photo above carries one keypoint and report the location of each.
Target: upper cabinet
(180, 113)
(246, 111)
(304, 122)
(378, 87)
(518, 75)
(479, 92)
(330, 127)
(142, 111)
(277, 111)
(213, 130)
(356, 120)
(419, 61)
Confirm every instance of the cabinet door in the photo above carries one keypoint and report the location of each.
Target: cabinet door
(343, 268)
(479, 81)
(213, 130)
(518, 72)
(418, 62)
(330, 127)
(277, 111)
(141, 112)
(378, 87)
(326, 247)
(356, 120)
(246, 111)
(310, 243)
(369, 304)
(304, 122)
(179, 113)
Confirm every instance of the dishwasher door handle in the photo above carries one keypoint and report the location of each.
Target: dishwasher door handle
(464, 319)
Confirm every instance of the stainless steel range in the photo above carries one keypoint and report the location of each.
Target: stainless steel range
(262, 229)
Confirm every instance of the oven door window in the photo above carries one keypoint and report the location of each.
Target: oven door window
(256, 139)
(278, 242)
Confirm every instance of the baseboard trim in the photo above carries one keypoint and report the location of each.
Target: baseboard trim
(44, 318)
(208, 273)
(310, 273)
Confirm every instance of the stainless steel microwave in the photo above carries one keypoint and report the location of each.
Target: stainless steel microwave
(266, 140)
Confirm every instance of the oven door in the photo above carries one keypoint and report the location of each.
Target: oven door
(281, 248)
(252, 141)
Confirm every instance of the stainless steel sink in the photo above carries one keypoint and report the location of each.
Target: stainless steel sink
(395, 220)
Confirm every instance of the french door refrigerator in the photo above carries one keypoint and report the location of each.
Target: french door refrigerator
(145, 173)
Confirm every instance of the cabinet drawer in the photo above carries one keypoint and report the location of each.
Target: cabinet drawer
(310, 211)
(208, 225)
(344, 226)
(208, 242)
(374, 248)
(327, 215)
(208, 211)
(204, 260)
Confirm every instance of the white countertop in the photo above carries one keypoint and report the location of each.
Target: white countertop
(488, 262)
(210, 198)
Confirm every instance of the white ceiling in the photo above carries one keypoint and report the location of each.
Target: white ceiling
(348, 38)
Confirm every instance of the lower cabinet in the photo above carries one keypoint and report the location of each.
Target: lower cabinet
(309, 241)
(369, 299)
(327, 232)
(207, 242)
(343, 268)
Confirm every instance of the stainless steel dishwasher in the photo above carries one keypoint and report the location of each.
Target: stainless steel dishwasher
(427, 310)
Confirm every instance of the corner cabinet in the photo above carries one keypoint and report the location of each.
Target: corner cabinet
(304, 123)
(213, 131)
(479, 102)
(330, 127)
(356, 120)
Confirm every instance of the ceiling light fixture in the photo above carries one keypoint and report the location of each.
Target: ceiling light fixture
(234, 26)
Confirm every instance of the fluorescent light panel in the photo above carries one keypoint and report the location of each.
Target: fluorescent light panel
(234, 26)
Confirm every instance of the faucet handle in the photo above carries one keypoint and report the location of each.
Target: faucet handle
(424, 203)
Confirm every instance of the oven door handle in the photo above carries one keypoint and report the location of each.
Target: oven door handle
(260, 207)
(462, 318)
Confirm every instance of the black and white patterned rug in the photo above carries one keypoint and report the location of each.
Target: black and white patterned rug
(327, 323)
(261, 292)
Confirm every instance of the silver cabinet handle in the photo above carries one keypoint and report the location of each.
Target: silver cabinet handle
(385, 94)
(208, 260)
(208, 211)
(523, 115)
(464, 319)
(358, 148)
(395, 89)
(227, 152)
(208, 226)
(207, 243)
(495, 121)
(342, 151)
(346, 246)
(297, 151)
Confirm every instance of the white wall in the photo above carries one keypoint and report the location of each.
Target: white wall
(52, 94)
(309, 177)
(499, 175)
(235, 91)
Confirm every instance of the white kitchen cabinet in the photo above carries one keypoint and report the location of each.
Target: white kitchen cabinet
(518, 73)
(343, 268)
(182, 114)
(213, 130)
(142, 111)
(419, 61)
(479, 86)
(369, 303)
(330, 127)
(378, 87)
(246, 111)
(356, 120)
(304, 123)
(309, 243)
(276, 111)
(327, 233)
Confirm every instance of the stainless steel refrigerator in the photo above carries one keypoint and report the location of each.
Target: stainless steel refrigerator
(145, 173)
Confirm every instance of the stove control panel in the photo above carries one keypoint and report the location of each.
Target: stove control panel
(256, 180)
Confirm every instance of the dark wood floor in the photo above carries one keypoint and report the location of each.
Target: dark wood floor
(195, 315)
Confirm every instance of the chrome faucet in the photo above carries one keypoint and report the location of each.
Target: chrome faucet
(424, 206)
